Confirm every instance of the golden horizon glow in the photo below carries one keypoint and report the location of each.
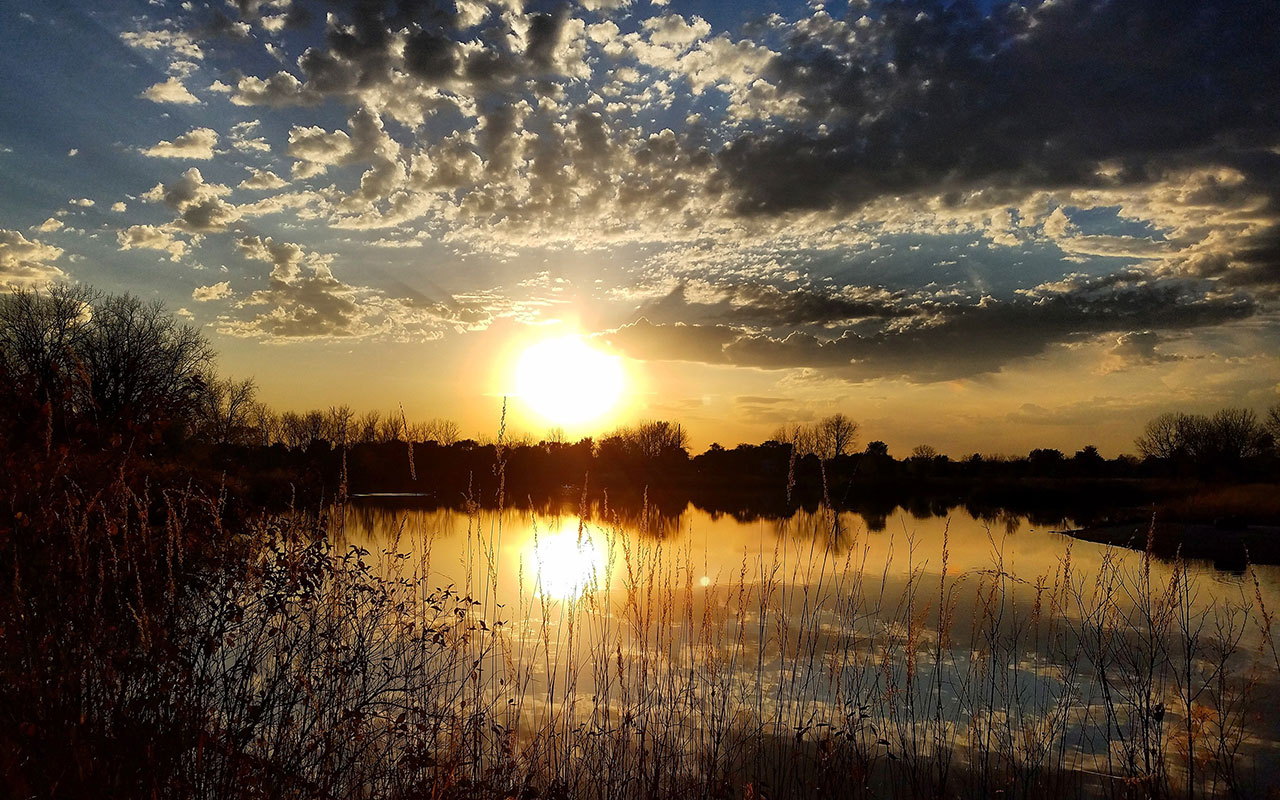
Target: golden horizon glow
(568, 562)
(566, 381)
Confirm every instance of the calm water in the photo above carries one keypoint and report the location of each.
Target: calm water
(557, 552)
(993, 638)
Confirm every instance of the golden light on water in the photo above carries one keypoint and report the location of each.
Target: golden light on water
(567, 381)
(567, 562)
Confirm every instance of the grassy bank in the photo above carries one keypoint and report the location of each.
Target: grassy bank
(153, 648)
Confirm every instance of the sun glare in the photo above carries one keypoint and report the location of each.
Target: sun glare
(567, 563)
(567, 381)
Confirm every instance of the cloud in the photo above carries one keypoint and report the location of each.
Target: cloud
(285, 257)
(195, 144)
(170, 91)
(199, 204)
(1136, 348)
(943, 341)
(677, 342)
(304, 300)
(317, 149)
(24, 262)
(947, 98)
(216, 291)
(177, 42)
(262, 179)
(279, 91)
(49, 225)
(151, 237)
(675, 30)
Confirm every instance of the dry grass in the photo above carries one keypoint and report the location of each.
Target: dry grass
(293, 664)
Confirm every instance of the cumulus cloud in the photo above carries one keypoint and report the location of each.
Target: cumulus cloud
(25, 262)
(923, 96)
(170, 91)
(304, 300)
(280, 90)
(1136, 348)
(196, 144)
(179, 43)
(199, 204)
(262, 179)
(151, 237)
(215, 291)
(285, 257)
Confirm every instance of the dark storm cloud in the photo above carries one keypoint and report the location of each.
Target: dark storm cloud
(1139, 347)
(933, 97)
(644, 340)
(948, 340)
(771, 306)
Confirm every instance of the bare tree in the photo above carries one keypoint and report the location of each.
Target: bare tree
(292, 433)
(442, 431)
(649, 439)
(924, 452)
(835, 435)
(41, 338)
(266, 423)
(1235, 434)
(800, 437)
(1228, 437)
(141, 366)
(225, 409)
(337, 425)
(1272, 425)
(367, 427)
(1164, 436)
(392, 428)
(315, 426)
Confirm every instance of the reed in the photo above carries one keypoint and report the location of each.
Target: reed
(152, 649)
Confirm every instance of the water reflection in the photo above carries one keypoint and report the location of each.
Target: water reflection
(929, 636)
(563, 549)
(567, 560)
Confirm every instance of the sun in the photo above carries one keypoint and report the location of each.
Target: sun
(567, 381)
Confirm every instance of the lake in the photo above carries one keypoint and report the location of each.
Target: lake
(961, 648)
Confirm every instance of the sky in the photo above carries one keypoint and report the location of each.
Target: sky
(982, 226)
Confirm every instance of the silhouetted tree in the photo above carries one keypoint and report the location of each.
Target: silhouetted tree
(225, 411)
(42, 338)
(1087, 459)
(924, 452)
(835, 435)
(366, 427)
(1223, 441)
(140, 365)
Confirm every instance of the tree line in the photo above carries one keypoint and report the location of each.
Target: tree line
(79, 363)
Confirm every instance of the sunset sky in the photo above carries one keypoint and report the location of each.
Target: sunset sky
(987, 227)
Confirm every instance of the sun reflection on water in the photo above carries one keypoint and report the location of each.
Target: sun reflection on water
(567, 562)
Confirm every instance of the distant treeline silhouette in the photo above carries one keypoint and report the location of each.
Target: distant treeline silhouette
(79, 365)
